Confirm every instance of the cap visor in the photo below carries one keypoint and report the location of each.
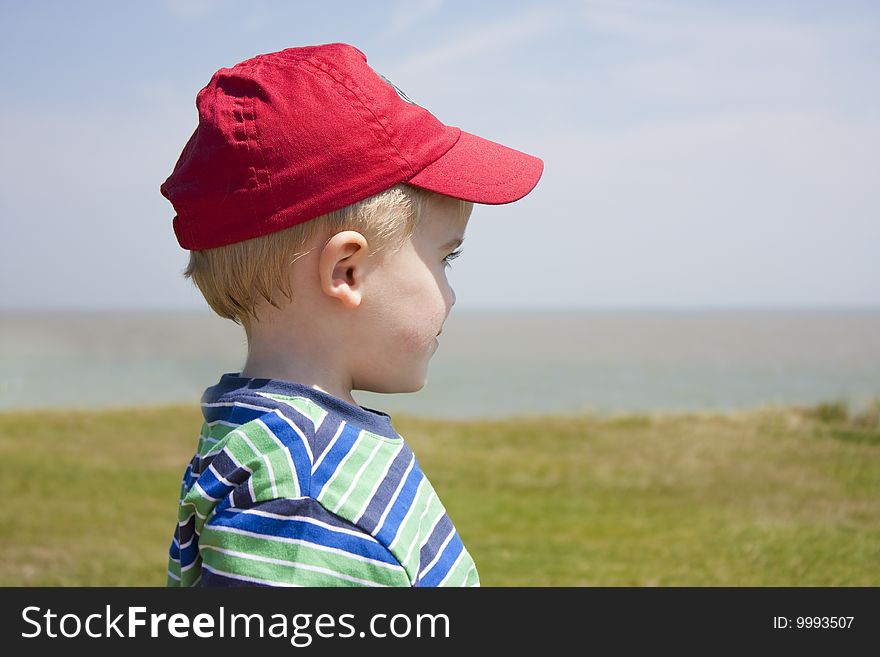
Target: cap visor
(481, 171)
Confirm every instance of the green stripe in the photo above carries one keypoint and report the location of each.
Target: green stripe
(459, 576)
(371, 475)
(389, 575)
(189, 577)
(415, 531)
(278, 573)
(302, 404)
(218, 432)
(339, 482)
(285, 479)
(173, 567)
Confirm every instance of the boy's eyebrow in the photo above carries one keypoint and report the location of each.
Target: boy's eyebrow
(454, 242)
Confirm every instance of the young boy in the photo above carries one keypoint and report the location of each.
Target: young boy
(311, 175)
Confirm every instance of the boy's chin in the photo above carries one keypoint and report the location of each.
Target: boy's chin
(400, 386)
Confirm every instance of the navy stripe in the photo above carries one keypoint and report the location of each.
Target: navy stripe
(324, 435)
(370, 519)
(241, 496)
(185, 532)
(305, 507)
(401, 506)
(435, 540)
(232, 414)
(440, 569)
(227, 468)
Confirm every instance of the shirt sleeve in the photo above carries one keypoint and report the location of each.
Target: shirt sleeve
(291, 542)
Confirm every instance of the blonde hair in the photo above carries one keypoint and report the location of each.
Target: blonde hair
(233, 278)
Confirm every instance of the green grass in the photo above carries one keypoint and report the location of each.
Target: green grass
(770, 497)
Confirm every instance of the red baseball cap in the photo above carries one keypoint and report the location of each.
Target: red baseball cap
(287, 136)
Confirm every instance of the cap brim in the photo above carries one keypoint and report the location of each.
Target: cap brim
(481, 171)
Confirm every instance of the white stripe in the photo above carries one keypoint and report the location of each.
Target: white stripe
(197, 580)
(226, 423)
(287, 454)
(299, 541)
(329, 447)
(265, 460)
(209, 439)
(357, 477)
(313, 521)
(382, 478)
(454, 565)
(341, 465)
(173, 576)
(409, 512)
(381, 523)
(253, 407)
(244, 578)
(439, 553)
(295, 564)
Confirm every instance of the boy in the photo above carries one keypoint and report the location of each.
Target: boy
(311, 175)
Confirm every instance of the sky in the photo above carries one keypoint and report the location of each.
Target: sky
(697, 155)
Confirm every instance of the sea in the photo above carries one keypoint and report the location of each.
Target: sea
(490, 364)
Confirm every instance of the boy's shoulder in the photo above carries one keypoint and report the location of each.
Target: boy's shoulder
(272, 451)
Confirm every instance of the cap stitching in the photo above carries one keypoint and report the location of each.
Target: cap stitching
(273, 205)
(238, 115)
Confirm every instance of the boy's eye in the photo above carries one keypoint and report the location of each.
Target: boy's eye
(452, 256)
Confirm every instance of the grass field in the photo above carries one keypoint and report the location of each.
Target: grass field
(771, 497)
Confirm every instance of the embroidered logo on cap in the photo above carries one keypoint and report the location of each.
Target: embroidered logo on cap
(400, 93)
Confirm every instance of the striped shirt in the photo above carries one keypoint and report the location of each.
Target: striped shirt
(291, 486)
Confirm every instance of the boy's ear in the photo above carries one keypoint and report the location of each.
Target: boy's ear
(342, 265)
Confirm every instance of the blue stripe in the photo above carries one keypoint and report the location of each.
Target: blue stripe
(209, 483)
(305, 531)
(232, 414)
(434, 576)
(333, 458)
(401, 506)
(302, 463)
(190, 553)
